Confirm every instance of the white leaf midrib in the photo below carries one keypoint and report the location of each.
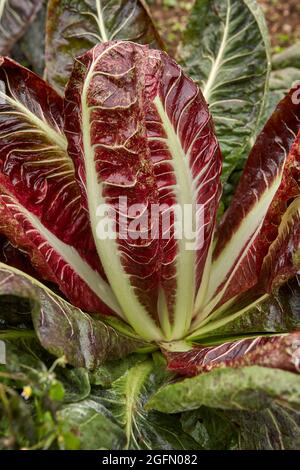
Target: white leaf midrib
(55, 137)
(71, 257)
(250, 225)
(186, 259)
(100, 21)
(218, 61)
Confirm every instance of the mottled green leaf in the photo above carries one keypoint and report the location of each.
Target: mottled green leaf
(25, 355)
(275, 428)
(75, 26)
(281, 81)
(225, 50)
(115, 418)
(285, 72)
(247, 388)
(63, 329)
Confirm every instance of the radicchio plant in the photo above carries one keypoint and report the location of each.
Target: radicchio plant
(130, 125)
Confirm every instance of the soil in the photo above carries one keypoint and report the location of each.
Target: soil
(283, 18)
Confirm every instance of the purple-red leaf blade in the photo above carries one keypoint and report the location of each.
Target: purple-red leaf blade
(41, 210)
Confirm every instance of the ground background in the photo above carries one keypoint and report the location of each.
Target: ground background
(283, 18)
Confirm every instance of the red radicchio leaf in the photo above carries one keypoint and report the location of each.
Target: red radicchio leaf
(143, 131)
(269, 182)
(279, 352)
(12, 256)
(39, 198)
(107, 141)
(187, 165)
(282, 261)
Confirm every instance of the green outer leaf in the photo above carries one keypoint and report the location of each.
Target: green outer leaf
(90, 422)
(218, 53)
(281, 81)
(75, 26)
(64, 329)
(247, 388)
(211, 428)
(127, 391)
(143, 429)
(276, 428)
(285, 72)
(25, 355)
